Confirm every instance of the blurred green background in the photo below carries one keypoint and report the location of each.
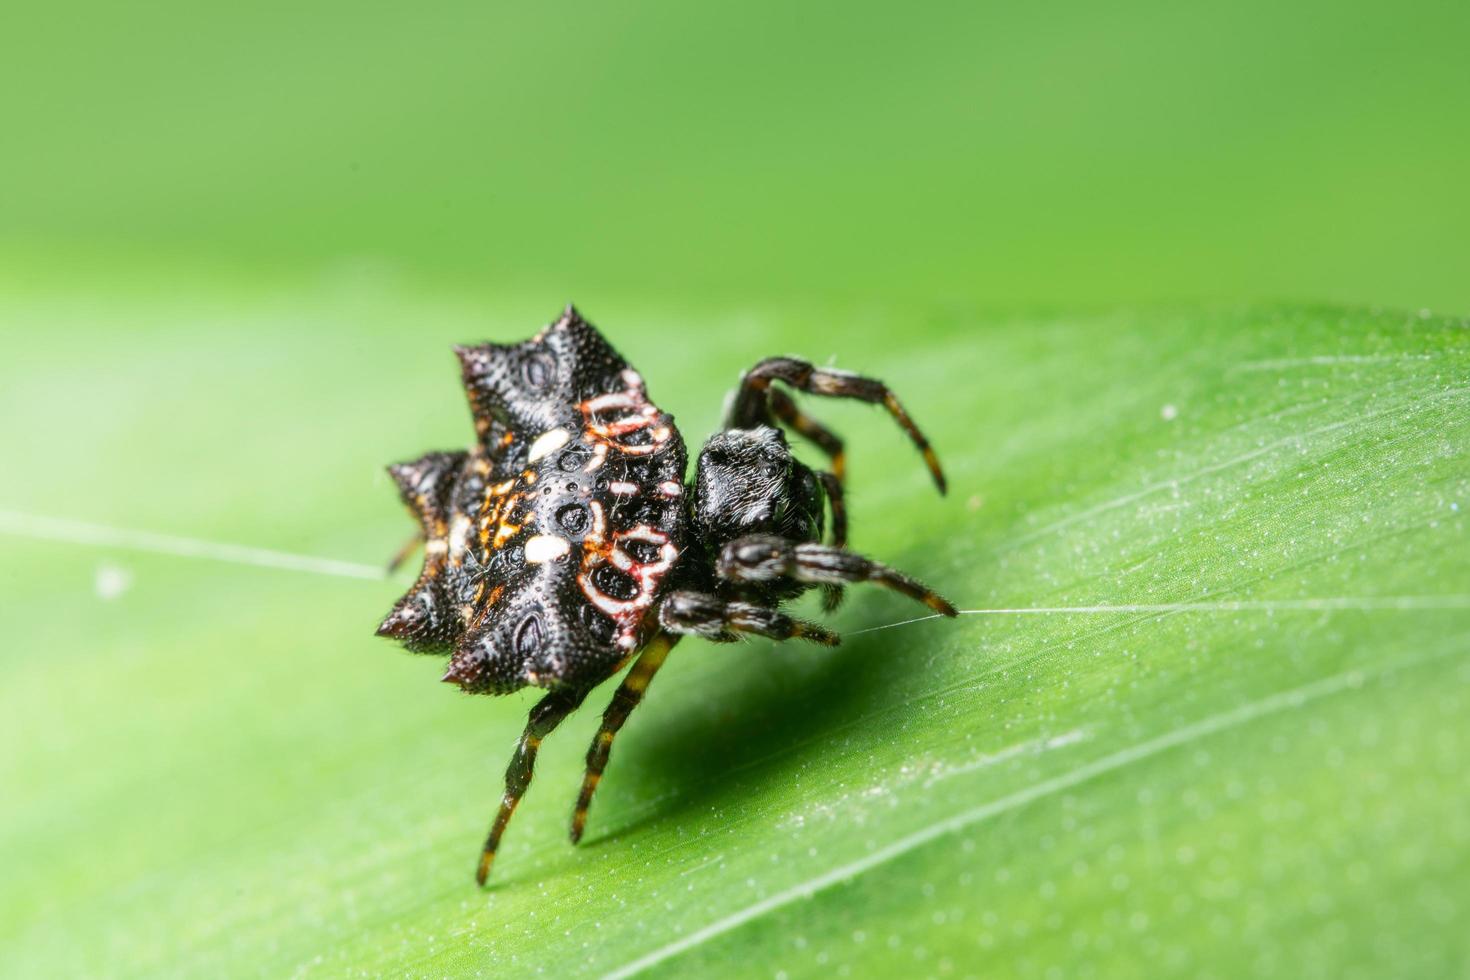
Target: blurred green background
(1172, 287)
(1050, 155)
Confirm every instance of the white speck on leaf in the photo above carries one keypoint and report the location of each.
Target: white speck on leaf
(111, 582)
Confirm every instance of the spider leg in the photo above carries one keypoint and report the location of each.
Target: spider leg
(837, 500)
(785, 409)
(545, 716)
(764, 557)
(751, 402)
(832, 483)
(627, 697)
(404, 553)
(723, 620)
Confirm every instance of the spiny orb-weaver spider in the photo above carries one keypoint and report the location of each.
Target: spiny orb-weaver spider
(565, 542)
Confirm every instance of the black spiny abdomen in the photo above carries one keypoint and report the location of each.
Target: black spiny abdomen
(547, 545)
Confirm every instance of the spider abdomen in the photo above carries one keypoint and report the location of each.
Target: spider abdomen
(543, 563)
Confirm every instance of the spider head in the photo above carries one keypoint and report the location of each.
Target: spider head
(747, 482)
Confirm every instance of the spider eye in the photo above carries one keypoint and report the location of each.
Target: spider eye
(538, 370)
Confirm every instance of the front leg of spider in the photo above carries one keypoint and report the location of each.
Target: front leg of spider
(837, 502)
(723, 620)
(767, 558)
(782, 408)
(756, 401)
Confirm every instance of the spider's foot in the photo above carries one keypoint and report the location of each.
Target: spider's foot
(482, 873)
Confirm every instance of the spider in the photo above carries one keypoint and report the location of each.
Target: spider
(565, 542)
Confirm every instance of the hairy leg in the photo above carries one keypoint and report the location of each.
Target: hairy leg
(837, 500)
(547, 714)
(785, 410)
(752, 402)
(723, 620)
(764, 558)
(627, 697)
(832, 593)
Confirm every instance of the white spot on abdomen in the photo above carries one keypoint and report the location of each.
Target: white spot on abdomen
(546, 547)
(459, 535)
(599, 456)
(548, 442)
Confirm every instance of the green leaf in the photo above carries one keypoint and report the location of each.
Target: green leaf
(1206, 714)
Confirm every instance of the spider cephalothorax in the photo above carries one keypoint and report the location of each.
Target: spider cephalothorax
(565, 541)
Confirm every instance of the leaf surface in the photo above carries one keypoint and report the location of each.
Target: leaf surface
(1205, 713)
